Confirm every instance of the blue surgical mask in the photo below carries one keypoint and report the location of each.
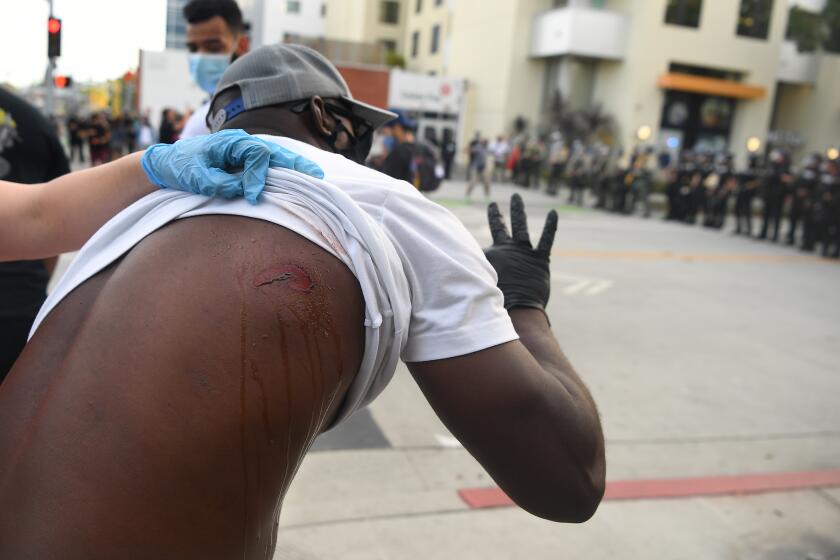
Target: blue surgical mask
(207, 69)
(389, 142)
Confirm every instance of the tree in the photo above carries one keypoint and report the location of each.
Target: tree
(593, 123)
(831, 23)
(804, 29)
(560, 117)
(811, 31)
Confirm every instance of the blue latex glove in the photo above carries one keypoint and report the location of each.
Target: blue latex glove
(229, 163)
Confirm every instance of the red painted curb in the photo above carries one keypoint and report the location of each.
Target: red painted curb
(477, 498)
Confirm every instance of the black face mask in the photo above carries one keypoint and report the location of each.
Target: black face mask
(359, 147)
(360, 143)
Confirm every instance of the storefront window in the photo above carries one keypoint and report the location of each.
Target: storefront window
(683, 12)
(754, 18)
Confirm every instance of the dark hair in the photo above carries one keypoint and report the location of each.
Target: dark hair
(197, 11)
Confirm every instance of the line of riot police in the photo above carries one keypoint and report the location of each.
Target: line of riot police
(811, 194)
(703, 188)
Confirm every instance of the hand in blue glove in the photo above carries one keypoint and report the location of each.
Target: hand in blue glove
(229, 163)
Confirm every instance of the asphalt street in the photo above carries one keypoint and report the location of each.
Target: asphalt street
(708, 355)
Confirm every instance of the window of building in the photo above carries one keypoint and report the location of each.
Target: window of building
(324, 9)
(389, 45)
(683, 12)
(754, 18)
(415, 44)
(292, 6)
(435, 39)
(418, 7)
(389, 12)
(438, 2)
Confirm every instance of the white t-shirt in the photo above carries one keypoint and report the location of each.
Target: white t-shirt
(197, 123)
(429, 291)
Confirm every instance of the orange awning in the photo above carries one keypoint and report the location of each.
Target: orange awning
(709, 86)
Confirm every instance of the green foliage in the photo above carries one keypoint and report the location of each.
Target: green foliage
(831, 22)
(812, 31)
(393, 58)
(805, 29)
(587, 125)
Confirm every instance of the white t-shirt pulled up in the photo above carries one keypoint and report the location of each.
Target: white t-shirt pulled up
(429, 292)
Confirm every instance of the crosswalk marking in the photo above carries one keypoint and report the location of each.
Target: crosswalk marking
(582, 285)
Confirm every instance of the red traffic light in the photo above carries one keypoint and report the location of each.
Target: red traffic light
(54, 25)
(62, 82)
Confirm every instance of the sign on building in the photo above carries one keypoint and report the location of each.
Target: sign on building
(426, 94)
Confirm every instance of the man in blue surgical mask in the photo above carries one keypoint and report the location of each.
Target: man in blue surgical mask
(215, 38)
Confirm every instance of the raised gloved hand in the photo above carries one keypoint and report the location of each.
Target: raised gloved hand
(229, 163)
(524, 276)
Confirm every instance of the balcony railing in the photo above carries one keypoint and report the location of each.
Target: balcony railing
(579, 31)
(797, 67)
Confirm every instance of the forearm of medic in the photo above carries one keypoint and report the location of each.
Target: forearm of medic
(45, 219)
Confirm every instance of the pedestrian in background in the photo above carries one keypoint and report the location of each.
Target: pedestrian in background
(169, 131)
(802, 188)
(75, 132)
(399, 163)
(773, 195)
(500, 149)
(100, 140)
(480, 170)
(558, 155)
(144, 133)
(119, 138)
(447, 151)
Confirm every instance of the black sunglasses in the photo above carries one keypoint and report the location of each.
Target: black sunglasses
(361, 128)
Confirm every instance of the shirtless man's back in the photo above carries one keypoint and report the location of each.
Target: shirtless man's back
(164, 406)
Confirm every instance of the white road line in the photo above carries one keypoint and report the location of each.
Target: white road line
(578, 286)
(599, 287)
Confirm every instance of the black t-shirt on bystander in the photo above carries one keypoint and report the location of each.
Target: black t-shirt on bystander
(398, 162)
(29, 153)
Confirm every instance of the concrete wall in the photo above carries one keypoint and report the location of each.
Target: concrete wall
(813, 111)
(430, 15)
(376, 31)
(346, 20)
(277, 22)
(489, 47)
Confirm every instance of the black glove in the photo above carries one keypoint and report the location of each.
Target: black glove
(524, 277)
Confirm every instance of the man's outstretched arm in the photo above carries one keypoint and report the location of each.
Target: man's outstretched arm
(520, 408)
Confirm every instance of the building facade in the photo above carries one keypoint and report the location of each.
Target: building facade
(275, 21)
(699, 74)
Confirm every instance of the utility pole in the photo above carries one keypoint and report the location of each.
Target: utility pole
(48, 78)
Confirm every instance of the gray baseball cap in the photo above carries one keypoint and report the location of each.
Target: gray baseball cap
(276, 74)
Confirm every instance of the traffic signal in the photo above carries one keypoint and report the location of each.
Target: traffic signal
(63, 82)
(53, 37)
